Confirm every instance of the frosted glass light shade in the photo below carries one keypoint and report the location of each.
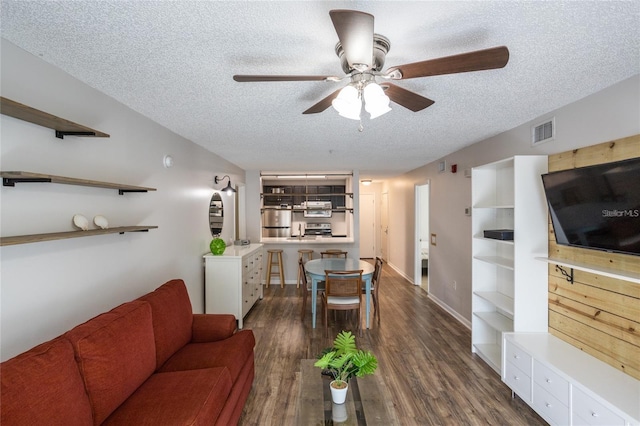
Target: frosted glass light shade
(376, 102)
(347, 103)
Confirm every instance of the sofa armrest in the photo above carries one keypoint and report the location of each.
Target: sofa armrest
(212, 327)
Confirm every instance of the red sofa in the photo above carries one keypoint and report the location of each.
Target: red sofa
(150, 361)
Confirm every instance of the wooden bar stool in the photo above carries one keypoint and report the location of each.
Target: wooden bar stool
(302, 253)
(333, 253)
(277, 262)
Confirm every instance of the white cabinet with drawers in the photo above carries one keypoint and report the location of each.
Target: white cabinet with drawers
(567, 386)
(233, 281)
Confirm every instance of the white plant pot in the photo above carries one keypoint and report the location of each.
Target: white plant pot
(338, 395)
(339, 413)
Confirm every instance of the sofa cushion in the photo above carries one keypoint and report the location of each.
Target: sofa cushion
(172, 318)
(232, 411)
(115, 352)
(231, 353)
(212, 327)
(194, 397)
(43, 386)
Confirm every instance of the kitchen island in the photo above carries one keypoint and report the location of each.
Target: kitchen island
(307, 239)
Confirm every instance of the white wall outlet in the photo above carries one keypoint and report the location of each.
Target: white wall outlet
(455, 285)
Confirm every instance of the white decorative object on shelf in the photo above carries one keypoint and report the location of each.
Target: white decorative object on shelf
(101, 222)
(81, 222)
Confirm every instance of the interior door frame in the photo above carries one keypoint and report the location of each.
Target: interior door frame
(384, 226)
(417, 280)
(373, 223)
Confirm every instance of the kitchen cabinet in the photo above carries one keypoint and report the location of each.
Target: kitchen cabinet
(295, 195)
(567, 386)
(509, 286)
(233, 281)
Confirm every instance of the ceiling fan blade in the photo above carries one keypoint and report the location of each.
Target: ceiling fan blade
(254, 78)
(355, 31)
(495, 57)
(323, 104)
(406, 98)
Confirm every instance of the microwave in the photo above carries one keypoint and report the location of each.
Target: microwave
(317, 209)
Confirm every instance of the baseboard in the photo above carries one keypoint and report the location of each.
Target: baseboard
(401, 273)
(451, 311)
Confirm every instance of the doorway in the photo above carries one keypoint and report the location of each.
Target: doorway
(367, 226)
(384, 227)
(421, 275)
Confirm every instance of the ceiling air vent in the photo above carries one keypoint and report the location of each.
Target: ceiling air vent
(543, 132)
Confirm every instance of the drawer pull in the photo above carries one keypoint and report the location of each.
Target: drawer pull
(593, 414)
(516, 356)
(548, 405)
(548, 380)
(516, 378)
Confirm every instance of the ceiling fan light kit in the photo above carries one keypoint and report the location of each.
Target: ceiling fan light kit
(348, 103)
(376, 102)
(362, 54)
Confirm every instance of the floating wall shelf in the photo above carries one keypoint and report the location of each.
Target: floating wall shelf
(633, 277)
(36, 238)
(61, 126)
(11, 178)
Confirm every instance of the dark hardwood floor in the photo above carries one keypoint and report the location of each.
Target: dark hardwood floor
(425, 361)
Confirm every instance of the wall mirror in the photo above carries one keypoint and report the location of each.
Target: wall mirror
(216, 215)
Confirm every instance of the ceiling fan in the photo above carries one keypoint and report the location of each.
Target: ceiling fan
(362, 54)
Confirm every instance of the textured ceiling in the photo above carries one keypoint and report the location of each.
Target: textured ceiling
(173, 61)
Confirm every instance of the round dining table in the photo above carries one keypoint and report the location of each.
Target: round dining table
(316, 270)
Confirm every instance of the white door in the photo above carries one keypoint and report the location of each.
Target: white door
(367, 226)
(384, 227)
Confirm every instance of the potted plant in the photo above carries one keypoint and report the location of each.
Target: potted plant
(343, 361)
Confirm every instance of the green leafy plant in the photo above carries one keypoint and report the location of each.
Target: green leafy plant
(217, 246)
(344, 360)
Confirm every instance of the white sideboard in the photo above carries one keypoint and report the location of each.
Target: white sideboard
(233, 281)
(567, 386)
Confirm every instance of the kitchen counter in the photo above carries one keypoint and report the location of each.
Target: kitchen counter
(307, 239)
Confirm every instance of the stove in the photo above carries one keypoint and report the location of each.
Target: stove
(323, 229)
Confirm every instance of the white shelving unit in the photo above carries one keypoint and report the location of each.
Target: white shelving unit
(509, 284)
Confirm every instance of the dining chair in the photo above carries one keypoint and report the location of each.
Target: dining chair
(333, 253)
(375, 287)
(306, 286)
(343, 291)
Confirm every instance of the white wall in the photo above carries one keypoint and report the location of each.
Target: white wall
(610, 114)
(49, 287)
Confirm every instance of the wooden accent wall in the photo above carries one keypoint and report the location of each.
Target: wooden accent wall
(597, 314)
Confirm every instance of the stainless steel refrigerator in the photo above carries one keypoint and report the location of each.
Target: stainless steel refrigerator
(276, 223)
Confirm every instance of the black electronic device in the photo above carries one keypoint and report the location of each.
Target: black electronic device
(596, 207)
(499, 234)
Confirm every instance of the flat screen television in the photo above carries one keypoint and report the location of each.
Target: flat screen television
(596, 207)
